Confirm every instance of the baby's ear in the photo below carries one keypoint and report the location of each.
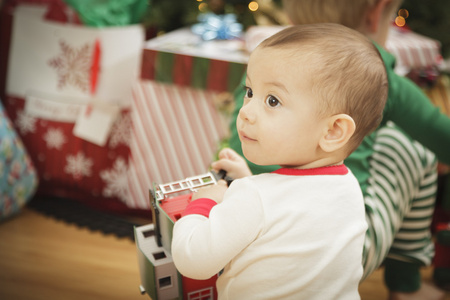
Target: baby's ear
(339, 129)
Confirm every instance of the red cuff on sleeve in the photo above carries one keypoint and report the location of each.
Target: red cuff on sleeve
(200, 206)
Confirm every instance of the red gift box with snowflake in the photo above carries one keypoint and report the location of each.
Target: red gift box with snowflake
(56, 74)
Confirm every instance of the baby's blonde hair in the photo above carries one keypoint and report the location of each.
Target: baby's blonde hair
(349, 13)
(347, 74)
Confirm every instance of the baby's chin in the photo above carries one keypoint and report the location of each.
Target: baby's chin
(258, 161)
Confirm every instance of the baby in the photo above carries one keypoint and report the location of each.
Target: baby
(312, 93)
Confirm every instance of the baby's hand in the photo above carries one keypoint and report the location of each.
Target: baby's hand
(234, 164)
(214, 192)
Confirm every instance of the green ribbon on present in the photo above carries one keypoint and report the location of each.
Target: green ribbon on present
(103, 13)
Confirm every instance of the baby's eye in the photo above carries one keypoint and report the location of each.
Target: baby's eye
(248, 92)
(272, 101)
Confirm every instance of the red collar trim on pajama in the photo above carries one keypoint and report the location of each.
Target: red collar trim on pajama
(330, 170)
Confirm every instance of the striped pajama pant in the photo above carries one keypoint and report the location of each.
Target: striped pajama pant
(399, 201)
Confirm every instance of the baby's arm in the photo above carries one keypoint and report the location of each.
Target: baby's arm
(213, 192)
(205, 240)
(234, 164)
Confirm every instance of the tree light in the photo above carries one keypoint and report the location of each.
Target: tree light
(203, 7)
(400, 21)
(403, 13)
(253, 6)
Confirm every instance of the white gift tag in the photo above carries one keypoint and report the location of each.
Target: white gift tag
(95, 121)
(53, 107)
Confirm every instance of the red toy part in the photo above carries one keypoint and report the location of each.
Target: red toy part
(199, 289)
(175, 206)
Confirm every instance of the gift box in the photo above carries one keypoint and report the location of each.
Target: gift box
(18, 179)
(184, 59)
(177, 126)
(68, 93)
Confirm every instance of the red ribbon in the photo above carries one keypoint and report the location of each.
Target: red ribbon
(95, 69)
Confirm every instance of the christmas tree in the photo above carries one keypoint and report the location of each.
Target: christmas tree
(168, 15)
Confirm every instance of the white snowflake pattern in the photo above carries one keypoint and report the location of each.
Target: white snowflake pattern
(54, 137)
(25, 122)
(73, 65)
(120, 133)
(116, 180)
(78, 165)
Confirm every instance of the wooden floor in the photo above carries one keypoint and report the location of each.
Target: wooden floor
(41, 258)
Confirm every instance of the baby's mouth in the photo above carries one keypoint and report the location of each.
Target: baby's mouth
(246, 137)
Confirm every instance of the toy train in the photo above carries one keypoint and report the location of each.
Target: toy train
(159, 277)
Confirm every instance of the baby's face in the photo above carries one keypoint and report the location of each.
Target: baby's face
(278, 123)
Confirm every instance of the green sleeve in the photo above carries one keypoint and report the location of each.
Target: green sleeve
(235, 143)
(411, 110)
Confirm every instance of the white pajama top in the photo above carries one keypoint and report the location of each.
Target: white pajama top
(290, 234)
